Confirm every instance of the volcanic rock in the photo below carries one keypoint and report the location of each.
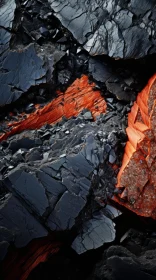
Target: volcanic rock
(124, 29)
(24, 66)
(137, 173)
(7, 10)
(79, 95)
(135, 258)
(52, 194)
(95, 233)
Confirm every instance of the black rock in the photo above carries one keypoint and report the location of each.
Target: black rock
(23, 226)
(119, 263)
(23, 69)
(24, 142)
(95, 233)
(59, 184)
(120, 30)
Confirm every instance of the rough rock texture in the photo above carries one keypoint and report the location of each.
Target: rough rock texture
(58, 178)
(32, 38)
(137, 173)
(7, 9)
(95, 233)
(136, 260)
(120, 29)
(20, 71)
(80, 95)
(25, 66)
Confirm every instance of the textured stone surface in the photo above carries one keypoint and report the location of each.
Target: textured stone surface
(20, 71)
(108, 27)
(7, 9)
(95, 233)
(23, 66)
(137, 174)
(57, 191)
(22, 226)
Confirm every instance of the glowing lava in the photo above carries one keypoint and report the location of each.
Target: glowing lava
(138, 171)
(79, 95)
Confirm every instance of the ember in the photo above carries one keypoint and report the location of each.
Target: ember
(138, 171)
(78, 96)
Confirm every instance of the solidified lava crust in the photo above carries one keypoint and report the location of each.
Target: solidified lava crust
(138, 171)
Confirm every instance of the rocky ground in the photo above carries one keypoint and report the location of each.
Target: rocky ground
(57, 179)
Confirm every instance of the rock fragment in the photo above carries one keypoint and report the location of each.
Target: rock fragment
(137, 173)
(105, 27)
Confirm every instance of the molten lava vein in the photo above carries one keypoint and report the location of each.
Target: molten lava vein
(79, 95)
(138, 171)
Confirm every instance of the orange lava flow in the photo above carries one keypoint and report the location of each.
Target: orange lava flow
(78, 96)
(137, 174)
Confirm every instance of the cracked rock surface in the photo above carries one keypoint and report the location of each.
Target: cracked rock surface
(25, 65)
(108, 27)
(49, 174)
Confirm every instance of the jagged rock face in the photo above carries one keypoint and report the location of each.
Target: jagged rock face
(137, 173)
(20, 71)
(24, 67)
(32, 38)
(7, 9)
(49, 174)
(120, 29)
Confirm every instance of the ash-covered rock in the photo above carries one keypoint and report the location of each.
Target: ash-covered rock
(68, 184)
(120, 29)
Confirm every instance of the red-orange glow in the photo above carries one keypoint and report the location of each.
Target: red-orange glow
(138, 171)
(20, 262)
(79, 95)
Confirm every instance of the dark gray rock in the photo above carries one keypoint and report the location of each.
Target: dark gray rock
(22, 69)
(23, 226)
(118, 263)
(95, 233)
(24, 142)
(29, 188)
(100, 71)
(23, 64)
(7, 10)
(64, 190)
(118, 29)
(66, 211)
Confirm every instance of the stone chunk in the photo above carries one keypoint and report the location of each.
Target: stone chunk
(95, 233)
(19, 221)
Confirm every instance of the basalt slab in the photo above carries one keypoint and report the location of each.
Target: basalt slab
(22, 66)
(7, 13)
(51, 192)
(136, 177)
(119, 29)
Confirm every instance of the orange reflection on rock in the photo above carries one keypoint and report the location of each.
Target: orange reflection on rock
(137, 175)
(79, 95)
